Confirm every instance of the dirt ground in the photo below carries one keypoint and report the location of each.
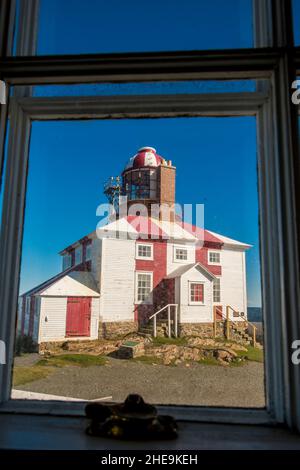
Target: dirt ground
(195, 384)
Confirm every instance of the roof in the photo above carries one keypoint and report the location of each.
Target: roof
(145, 157)
(68, 283)
(187, 267)
(147, 227)
(230, 242)
(48, 282)
(74, 283)
(201, 234)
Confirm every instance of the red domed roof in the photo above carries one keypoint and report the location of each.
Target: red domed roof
(146, 157)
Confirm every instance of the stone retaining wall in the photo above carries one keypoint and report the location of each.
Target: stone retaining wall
(204, 330)
(114, 330)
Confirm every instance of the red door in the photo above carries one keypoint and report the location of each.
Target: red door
(78, 316)
(219, 312)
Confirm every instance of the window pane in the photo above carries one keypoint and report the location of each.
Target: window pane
(104, 304)
(66, 27)
(296, 11)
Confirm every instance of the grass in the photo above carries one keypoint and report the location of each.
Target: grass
(160, 340)
(23, 375)
(45, 367)
(81, 360)
(252, 354)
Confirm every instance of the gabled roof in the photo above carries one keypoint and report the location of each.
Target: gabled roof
(146, 227)
(187, 267)
(83, 277)
(50, 281)
(230, 242)
(201, 234)
(75, 283)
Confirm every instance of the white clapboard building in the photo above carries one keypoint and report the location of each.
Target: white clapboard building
(115, 279)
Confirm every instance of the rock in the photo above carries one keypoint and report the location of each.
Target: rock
(223, 363)
(237, 347)
(224, 355)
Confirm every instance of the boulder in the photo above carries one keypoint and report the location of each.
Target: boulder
(226, 355)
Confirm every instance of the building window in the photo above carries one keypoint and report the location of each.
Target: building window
(217, 290)
(78, 255)
(214, 257)
(67, 261)
(181, 254)
(196, 293)
(88, 252)
(144, 251)
(144, 286)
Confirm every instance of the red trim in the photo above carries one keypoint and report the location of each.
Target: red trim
(219, 312)
(163, 293)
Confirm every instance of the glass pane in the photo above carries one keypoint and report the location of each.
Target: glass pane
(69, 27)
(296, 11)
(111, 351)
(150, 88)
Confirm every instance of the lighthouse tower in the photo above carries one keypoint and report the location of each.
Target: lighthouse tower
(147, 179)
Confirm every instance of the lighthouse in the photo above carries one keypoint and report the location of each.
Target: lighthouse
(147, 180)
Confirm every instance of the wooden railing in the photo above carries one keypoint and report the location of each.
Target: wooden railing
(229, 322)
(154, 316)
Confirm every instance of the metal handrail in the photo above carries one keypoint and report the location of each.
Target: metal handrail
(163, 308)
(168, 306)
(247, 321)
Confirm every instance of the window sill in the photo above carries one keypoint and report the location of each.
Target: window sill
(57, 433)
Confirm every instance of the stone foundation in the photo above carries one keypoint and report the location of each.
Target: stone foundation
(204, 330)
(115, 330)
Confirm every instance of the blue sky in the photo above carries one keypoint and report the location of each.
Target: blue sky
(296, 5)
(74, 26)
(71, 160)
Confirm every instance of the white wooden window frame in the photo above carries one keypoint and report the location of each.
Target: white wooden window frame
(178, 260)
(148, 245)
(277, 168)
(219, 291)
(177, 257)
(149, 299)
(213, 252)
(193, 302)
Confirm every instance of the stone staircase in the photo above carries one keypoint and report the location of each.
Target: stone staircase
(240, 333)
